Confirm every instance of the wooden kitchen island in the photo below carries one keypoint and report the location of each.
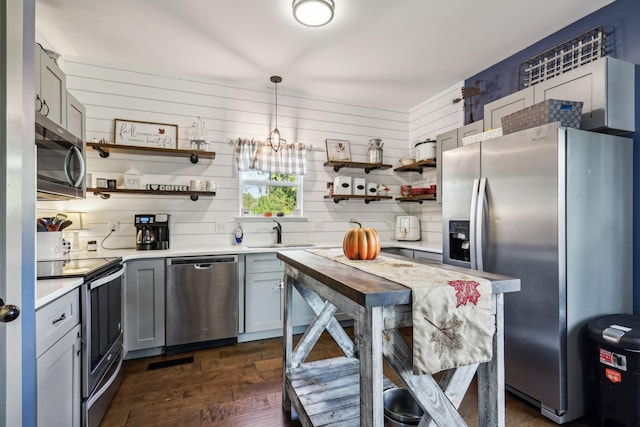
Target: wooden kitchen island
(348, 391)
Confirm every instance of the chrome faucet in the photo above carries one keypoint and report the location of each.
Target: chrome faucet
(278, 229)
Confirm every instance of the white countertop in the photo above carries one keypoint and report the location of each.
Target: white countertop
(50, 289)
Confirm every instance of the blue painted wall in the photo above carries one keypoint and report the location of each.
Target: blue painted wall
(621, 21)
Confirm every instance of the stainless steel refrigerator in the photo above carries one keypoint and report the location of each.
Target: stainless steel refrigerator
(553, 207)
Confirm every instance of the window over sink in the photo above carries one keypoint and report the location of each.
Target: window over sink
(263, 193)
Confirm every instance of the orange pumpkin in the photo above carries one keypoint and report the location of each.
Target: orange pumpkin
(361, 243)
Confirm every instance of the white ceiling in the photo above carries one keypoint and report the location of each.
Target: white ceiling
(387, 53)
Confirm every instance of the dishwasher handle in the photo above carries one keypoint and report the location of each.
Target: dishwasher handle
(202, 262)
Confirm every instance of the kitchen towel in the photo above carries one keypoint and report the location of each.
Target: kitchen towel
(452, 321)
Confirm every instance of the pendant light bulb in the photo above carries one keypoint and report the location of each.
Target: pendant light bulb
(276, 139)
(313, 13)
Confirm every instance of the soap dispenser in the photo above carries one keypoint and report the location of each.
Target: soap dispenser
(238, 234)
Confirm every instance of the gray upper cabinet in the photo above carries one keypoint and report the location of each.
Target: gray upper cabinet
(51, 88)
(606, 88)
(496, 110)
(75, 117)
(448, 141)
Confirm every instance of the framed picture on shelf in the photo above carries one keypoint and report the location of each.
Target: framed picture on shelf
(338, 150)
(145, 134)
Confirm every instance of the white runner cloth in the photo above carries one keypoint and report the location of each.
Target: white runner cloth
(452, 321)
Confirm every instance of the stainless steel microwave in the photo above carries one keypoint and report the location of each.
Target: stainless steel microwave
(60, 158)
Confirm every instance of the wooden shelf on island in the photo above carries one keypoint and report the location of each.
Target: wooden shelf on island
(193, 155)
(106, 192)
(417, 166)
(368, 167)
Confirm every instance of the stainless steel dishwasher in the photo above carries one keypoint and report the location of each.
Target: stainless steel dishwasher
(201, 302)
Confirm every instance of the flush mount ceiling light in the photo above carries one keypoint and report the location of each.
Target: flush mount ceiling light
(275, 137)
(313, 13)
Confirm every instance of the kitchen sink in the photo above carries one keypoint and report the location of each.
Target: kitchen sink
(281, 245)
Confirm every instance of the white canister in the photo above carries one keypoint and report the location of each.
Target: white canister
(342, 185)
(49, 245)
(212, 185)
(196, 185)
(372, 189)
(426, 150)
(359, 187)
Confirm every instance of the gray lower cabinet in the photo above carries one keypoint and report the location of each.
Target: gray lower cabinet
(264, 295)
(58, 350)
(144, 299)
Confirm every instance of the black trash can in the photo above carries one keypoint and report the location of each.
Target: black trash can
(616, 353)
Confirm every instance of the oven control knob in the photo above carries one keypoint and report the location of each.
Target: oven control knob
(8, 312)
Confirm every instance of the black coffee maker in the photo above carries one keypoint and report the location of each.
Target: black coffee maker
(152, 231)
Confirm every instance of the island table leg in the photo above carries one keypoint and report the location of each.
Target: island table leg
(370, 326)
(491, 376)
(287, 339)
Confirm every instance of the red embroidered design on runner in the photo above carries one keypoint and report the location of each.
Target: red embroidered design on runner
(466, 291)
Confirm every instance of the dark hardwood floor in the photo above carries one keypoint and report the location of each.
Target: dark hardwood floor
(241, 385)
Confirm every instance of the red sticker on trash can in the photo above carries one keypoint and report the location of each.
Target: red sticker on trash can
(613, 375)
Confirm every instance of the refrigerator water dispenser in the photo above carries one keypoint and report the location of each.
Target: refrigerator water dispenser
(459, 241)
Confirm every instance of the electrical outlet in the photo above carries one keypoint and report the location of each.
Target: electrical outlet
(220, 227)
(112, 225)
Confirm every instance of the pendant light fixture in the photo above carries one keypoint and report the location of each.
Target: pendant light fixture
(276, 139)
(313, 13)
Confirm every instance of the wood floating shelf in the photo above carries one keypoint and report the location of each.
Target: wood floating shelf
(105, 193)
(418, 199)
(417, 166)
(339, 197)
(368, 167)
(193, 155)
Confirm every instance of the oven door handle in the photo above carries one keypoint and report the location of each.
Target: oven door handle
(101, 281)
(100, 392)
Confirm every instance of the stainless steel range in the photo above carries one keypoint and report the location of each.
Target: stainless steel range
(101, 308)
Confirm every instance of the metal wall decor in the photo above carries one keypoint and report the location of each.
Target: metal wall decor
(566, 56)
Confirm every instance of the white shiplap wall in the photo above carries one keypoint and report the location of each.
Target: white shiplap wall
(432, 117)
(231, 111)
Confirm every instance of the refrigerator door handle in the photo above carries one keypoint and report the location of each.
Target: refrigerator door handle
(472, 224)
(482, 195)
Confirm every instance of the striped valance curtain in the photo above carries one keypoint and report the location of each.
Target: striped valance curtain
(258, 155)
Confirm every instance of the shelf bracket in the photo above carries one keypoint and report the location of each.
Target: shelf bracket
(103, 153)
(194, 158)
(102, 195)
(194, 197)
(367, 170)
(337, 168)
